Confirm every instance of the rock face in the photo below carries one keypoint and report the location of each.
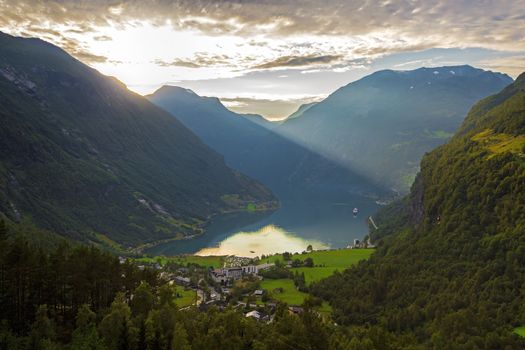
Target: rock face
(82, 155)
(381, 125)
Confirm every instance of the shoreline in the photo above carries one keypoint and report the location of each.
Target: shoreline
(140, 249)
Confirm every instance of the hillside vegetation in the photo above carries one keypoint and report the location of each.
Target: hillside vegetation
(82, 155)
(450, 273)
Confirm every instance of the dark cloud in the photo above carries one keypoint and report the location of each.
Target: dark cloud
(299, 61)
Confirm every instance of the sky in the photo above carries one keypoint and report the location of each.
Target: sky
(270, 56)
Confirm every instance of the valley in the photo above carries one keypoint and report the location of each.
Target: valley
(219, 175)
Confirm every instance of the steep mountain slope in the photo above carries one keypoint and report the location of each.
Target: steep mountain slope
(381, 125)
(80, 154)
(302, 108)
(250, 145)
(451, 274)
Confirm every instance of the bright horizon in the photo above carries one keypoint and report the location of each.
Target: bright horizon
(269, 57)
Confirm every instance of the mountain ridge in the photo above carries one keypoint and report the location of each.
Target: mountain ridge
(126, 168)
(403, 113)
(251, 145)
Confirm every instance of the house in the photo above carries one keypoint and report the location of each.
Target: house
(258, 293)
(233, 272)
(218, 275)
(264, 267)
(249, 270)
(183, 281)
(254, 314)
(295, 310)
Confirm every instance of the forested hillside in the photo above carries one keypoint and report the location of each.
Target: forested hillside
(85, 157)
(450, 273)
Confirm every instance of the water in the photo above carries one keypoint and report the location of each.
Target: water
(323, 222)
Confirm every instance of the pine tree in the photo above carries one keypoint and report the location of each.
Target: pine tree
(180, 338)
(3, 229)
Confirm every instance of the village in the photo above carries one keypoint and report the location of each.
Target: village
(254, 286)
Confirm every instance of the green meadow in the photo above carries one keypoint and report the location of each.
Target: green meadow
(206, 261)
(326, 262)
(185, 297)
(289, 293)
(520, 331)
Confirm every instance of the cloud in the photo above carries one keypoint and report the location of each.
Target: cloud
(298, 61)
(200, 60)
(102, 38)
(513, 65)
(88, 57)
(177, 63)
(494, 24)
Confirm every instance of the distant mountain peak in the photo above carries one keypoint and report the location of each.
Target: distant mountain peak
(173, 89)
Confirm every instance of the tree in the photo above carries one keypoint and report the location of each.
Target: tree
(3, 230)
(85, 336)
(308, 262)
(42, 331)
(180, 338)
(114, 328)
(143, 300)
(166, 295)
(309, 248)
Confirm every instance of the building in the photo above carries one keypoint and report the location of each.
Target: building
(254, 314)
(182, 281)
(249, 270)
(234, 273)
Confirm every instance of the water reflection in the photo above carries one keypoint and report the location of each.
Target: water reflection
(270, 239)
(325, 221)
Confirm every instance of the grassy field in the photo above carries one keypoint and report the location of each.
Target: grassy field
(520, 331)
(500, 143)
(188, 297)
(205, 261)
(326, 262)
(290, 294)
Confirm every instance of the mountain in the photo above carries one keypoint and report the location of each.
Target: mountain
(302, 108)
(381, 125)
(83, 156)
(250, 145)
(450, 268)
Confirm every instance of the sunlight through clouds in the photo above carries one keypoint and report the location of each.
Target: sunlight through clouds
(313, 48)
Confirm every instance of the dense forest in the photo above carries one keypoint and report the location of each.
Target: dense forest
(450, 269)
(83, 298)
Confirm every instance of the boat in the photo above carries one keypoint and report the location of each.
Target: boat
(355, 211)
